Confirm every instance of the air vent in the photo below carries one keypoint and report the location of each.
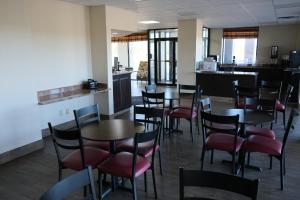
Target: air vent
(288, 17)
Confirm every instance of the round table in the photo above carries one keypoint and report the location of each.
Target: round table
(111, 130)
(248, 117)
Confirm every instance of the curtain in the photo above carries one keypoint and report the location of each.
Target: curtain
(248, 32)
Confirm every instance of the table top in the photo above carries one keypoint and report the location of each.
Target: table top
(111, 130)
(253, 117)
(170, 94)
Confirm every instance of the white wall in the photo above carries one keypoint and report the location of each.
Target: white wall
(44, 44)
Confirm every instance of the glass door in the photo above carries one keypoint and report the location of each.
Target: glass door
(165, 58)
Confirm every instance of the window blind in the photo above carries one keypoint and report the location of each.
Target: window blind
(248, 32)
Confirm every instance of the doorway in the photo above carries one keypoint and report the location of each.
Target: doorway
(165, 61)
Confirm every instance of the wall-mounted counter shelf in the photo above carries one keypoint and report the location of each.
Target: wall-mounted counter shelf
(65, 93)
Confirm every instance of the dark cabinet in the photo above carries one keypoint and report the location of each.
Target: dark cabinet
(122, 91)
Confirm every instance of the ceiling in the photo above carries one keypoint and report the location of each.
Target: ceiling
(213, 13)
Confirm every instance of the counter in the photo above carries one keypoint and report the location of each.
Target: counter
(219, 83)
(122, 90)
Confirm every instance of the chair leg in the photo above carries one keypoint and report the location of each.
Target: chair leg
(212, 156)
(271, 162)
(276, 113)
(133, 183)
(145, 180)
(59, 173)
(100, 184)
(202, 158)
(198, 127)
(281, 174)
(191, 130)
(233, 163)
(243, 163)
(284, 169)
(154, 183)
(160, 164)
(248, 159)
(283, 119)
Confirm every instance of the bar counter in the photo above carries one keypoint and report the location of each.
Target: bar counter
(219, 83)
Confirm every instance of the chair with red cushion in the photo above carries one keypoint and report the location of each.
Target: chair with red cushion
(188, 113)
(145, 149)
(223, 139)
(240, 93)
(274, 148)
(131, 165)
(80, 156)
(281, 106)
(85, 116)
(266, 105)
(205, 105)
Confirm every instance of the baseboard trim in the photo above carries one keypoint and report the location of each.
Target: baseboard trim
(21, 151)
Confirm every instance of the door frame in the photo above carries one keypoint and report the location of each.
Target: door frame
(173, 40)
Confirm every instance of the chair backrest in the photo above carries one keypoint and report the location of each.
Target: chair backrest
(150, 88)
(149, 135)
(198, 178)
(205, 104)
(87, 115)
(272, 86)
(293, 114)
(66, 139)
(193, 88)
(153, 99)
(209, 122)
(146, 113)
(288, 93)
(72, 183)
(243, 92)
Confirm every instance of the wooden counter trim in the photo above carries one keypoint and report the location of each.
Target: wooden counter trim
(66, 93)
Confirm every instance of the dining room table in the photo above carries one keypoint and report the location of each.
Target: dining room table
(113, 131)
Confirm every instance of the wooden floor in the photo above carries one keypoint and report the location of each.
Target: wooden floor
(28, 177)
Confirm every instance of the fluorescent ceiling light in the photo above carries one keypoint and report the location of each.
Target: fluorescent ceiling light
(149, 22)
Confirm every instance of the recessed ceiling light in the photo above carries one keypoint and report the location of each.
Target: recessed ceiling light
(114, 33)
(149, 22)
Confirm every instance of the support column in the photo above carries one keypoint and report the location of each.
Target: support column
(189, 50)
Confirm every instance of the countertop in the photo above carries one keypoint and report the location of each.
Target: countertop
(122, 71)
(228, 73)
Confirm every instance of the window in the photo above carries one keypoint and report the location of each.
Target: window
(239, 45)
(205, 39)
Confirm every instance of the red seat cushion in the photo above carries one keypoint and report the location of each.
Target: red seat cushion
(280, 106)
(263, 145)
(92, 156)
(224, 142)
(121, 165)
(265, 132)
(183, 113)
(144, 149)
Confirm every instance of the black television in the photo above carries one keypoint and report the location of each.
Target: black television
(294, 58)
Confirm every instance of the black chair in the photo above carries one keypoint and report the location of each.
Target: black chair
(240, 93)
(281, 105)
(270, 89)
(130, 165)
(271, 147)
(144, 149)
(197, 178)
(223, 138)
(88, 115)
(154, 99)
(190, 113)
(79, 156)
(67, 186)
